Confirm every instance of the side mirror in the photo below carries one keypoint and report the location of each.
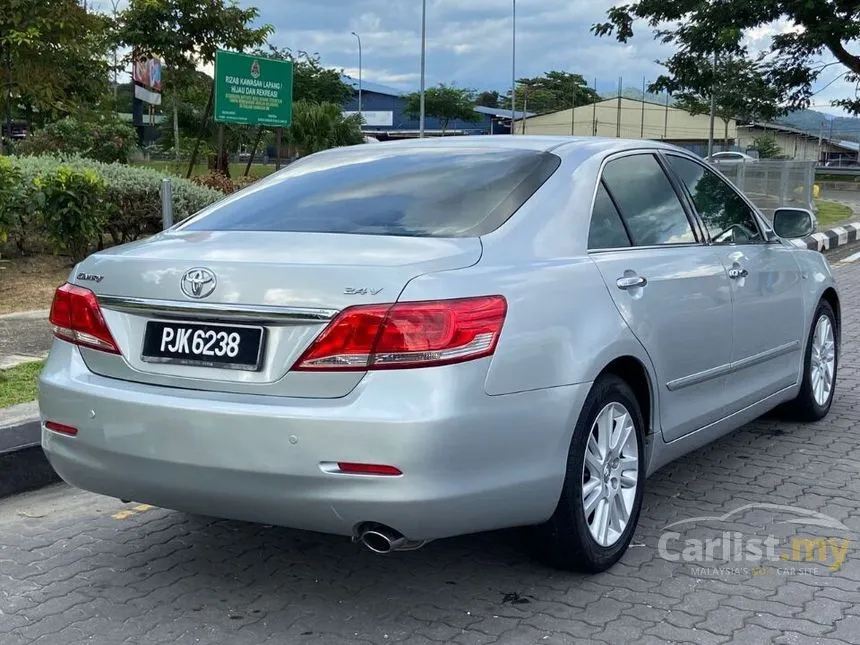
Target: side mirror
(793, 222)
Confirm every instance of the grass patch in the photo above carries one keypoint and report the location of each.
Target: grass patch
(20, 384)
(844, 178)
(236, 169)
(829, 213)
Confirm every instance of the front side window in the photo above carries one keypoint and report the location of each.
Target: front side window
(387, 190)
(727, 217)
(648, 204)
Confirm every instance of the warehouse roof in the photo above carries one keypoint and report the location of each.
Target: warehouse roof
(499, 112)
(370, 86)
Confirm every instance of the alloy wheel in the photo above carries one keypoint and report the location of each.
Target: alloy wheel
(610, 474)
(822, 364)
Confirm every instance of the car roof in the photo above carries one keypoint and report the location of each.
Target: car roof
(582, 146)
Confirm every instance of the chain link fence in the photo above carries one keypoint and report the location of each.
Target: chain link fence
(771, 184)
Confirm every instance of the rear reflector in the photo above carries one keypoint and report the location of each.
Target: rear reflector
(367, 469)
(408, 334)
(77, 318)
(61, 428)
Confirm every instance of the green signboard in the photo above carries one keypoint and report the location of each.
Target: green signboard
(253, 90)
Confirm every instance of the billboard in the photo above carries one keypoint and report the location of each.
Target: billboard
(253, 90)
(146, 74)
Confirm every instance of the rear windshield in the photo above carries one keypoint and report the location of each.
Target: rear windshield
(378, 190)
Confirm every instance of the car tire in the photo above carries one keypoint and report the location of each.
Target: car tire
(567, 540)
(810, 405)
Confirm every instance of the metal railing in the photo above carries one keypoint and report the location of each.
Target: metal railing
(771, 184)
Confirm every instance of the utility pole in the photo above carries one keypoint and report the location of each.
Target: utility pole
(423, 63)
(359, 74)
(514, 69)
(713, 107)
(525, 106)
(666, 117)
(573, 105)
(594, 110)
(642, 124)
(821, 143)
(618, 118)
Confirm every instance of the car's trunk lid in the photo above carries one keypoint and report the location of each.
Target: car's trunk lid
(288, 285)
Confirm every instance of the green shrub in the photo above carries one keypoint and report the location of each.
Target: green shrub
(20, 201)
(132, 195)
(100, 137)
(10, 183)
(73, 212)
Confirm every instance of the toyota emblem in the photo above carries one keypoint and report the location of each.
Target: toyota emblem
(198, 283)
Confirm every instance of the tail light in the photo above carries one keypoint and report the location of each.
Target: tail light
(77, 318)
(408, 334)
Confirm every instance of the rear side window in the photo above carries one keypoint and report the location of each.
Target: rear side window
(607, 230)
(381, 190)
(649, 205)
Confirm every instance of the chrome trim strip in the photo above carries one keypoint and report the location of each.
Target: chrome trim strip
(699, 377)
(737, 366)
(770, 354)
(217, 311)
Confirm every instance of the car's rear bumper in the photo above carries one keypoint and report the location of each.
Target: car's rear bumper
(470, 462)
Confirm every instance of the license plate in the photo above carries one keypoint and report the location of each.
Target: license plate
(234, 347)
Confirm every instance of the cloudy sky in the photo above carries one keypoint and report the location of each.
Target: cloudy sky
(469, 41)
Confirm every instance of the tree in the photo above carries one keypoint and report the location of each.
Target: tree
(552, 92)
(186, 33)
(319, 126)
(766, 146)
(53, 56)
(698, 28)
(311, 81)
(488, 99)
(739, 88)
(445, 103)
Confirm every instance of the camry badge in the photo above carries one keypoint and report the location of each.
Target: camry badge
(198, 283)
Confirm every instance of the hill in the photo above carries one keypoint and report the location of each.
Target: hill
(813, 121)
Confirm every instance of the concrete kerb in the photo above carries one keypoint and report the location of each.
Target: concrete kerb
(831, 238)
(19, 427)
(36, 314)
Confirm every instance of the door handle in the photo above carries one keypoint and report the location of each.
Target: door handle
(736, 273)
(630, 282)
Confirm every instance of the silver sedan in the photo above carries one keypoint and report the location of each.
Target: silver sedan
(417, 340)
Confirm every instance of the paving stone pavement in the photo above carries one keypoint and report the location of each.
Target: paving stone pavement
(78, 568)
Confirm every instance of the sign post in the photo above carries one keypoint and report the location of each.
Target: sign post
(253, 90)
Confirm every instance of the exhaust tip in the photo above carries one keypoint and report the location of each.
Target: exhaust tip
(377, 541)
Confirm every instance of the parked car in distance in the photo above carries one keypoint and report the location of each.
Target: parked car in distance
(843, 163)
(730, 158)
(429, 338)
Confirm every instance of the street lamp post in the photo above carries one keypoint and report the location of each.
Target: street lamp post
(359, 73)
(423, 63)
(514, 68)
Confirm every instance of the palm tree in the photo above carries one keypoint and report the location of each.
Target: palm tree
(319, 126)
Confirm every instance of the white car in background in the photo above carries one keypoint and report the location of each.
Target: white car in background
(729, 158)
